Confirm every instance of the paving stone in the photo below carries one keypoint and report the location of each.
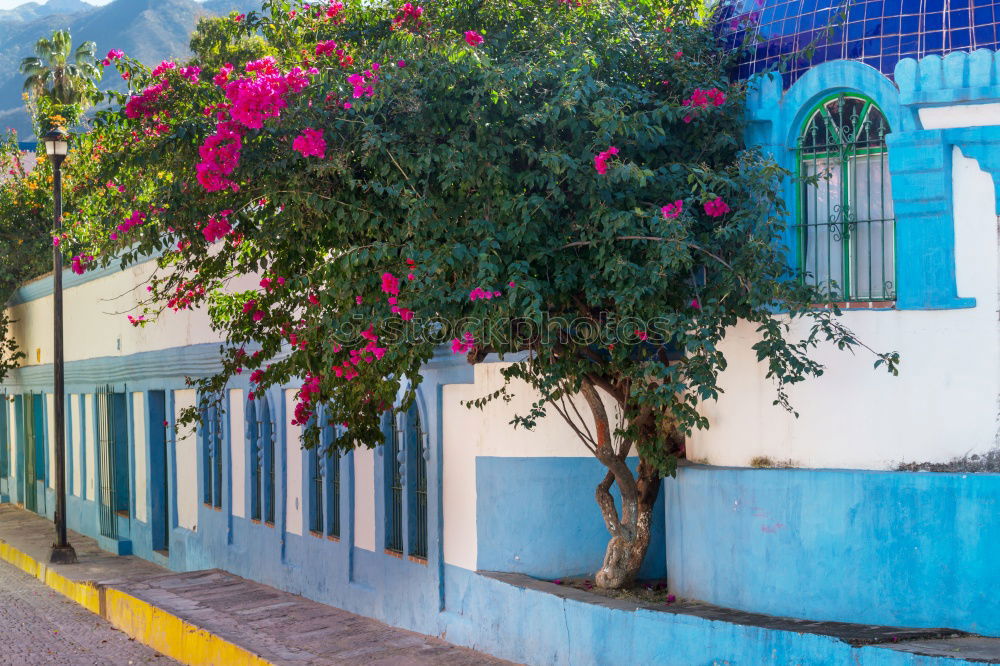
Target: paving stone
(39, 626)
(279, 626)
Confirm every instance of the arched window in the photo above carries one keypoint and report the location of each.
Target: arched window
(846, 227)
(324, 481)
(394, 485)
(255, 466)
(212, 443)
(416, 456)
(262, 452)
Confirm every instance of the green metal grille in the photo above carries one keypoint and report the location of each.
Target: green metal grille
(316, 490)
(418, 511)
(333, 494)
(846, 228)
(4, 442)
(394, 505)
(30, 456)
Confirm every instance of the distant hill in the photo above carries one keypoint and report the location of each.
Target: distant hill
(149, 30)
(32, 10)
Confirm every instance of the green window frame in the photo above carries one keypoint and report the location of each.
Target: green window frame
(845, 231)
(4, 440)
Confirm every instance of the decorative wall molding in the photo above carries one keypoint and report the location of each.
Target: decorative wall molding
(920, 160)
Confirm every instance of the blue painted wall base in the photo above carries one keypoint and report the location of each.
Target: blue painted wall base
(912, 549)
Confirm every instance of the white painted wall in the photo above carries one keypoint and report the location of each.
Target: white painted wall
(237, 453)
(963, 115)
(140, 452)
(364, 498)
(293, 468)
(943, 404)
(104, 305)
(469, 433)
(76, 434)
(90, 447)
(50, 440)
(186, 455)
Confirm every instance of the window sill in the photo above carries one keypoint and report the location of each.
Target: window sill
(857, 305)
(333, 537)
(394, 553)
(418, 560)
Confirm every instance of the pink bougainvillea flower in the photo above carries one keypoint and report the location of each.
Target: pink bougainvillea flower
(258, 315)
(673, 210)
(695, 304)
(310, 142)
(601, 160)
(216, 228)
(113, 54)
(222, 78)
(401, 63)
(464, 345)
(473, 38)
(716, 207)
(390, 283)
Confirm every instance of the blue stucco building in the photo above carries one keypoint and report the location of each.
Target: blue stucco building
(897, 113)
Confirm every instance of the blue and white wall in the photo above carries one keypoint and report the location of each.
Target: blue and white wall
(839, 537)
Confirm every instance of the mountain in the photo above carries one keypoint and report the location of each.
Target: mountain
(149, 30)
(31, 11)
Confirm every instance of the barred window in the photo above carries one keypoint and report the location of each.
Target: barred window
(416, 476)
(846, 226)
(394, 485)
(262, 458)
(212, 443)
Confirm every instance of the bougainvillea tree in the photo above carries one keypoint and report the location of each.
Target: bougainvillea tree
(562, 182)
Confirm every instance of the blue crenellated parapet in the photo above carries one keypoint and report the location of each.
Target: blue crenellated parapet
(936, 105)
(957, 78)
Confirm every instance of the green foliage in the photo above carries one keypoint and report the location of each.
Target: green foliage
(475, 165)
(214, 45)
(25, 238)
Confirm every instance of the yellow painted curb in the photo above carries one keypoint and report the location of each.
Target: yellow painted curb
(142, 621)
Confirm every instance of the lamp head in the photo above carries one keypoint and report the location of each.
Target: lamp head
(56, 142)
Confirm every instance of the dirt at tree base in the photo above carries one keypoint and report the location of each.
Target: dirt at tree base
(647, 591)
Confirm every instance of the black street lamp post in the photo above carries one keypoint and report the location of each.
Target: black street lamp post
(56, 147)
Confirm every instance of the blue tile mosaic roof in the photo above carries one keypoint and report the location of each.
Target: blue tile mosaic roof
(876, 32)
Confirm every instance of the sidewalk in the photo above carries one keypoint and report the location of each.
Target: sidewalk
(214, 617)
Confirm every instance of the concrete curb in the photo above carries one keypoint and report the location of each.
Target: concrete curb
(160, 630)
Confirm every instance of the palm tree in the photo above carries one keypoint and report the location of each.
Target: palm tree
(51, 72)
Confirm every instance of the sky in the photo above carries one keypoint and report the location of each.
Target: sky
(10, 4)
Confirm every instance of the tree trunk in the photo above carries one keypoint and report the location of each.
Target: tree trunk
(627, 549)
(630, 529)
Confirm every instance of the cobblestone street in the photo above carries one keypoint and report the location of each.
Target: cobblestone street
(40, 626)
